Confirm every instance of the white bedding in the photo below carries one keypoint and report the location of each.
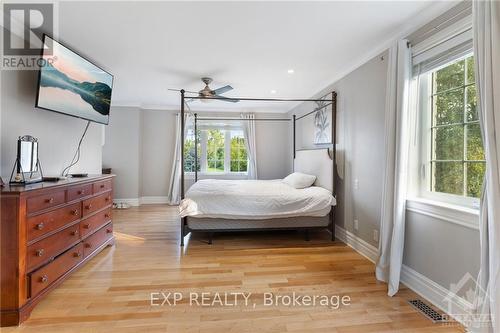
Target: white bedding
(254, 199)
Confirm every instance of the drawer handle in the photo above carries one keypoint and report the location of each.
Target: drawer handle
(81, 192)
(88, 206)
(102, 185)
(40, 226)
(77, 254)
(74, 212)
(40, 252)
(106, 215)
(74, 233)
(107, 198)
(88, 245)
(44, 279)
(86, 226)
(109, 231)
(49, 200)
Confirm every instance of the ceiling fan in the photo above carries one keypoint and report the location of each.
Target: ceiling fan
(207, 93)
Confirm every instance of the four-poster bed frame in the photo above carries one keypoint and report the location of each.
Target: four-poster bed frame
(329, 102)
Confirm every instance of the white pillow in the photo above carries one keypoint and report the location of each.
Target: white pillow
(299, 180)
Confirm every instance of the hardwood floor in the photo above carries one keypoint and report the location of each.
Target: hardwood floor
(112, 293)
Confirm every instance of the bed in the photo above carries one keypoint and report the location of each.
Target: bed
(249, 205)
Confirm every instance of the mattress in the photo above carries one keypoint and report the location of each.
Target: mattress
(254, 200)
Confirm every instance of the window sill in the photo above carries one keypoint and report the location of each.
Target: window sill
(464, 216)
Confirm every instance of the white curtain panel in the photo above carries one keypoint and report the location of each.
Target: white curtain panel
(174, 192)
(249, 133)
(486, 26)
(395, 179)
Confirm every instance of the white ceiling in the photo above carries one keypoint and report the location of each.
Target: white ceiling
(153, 46)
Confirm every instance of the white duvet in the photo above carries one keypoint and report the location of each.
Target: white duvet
(254, 199)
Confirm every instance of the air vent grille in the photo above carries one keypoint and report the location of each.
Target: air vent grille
(426, 310)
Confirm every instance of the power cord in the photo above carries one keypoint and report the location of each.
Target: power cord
(65, 172)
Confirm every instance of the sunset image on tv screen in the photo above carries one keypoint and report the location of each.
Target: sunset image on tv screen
(70, 84)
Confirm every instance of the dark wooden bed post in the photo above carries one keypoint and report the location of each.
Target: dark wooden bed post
(183, 220)
(334, 158)
(195, 147)
(294, 148)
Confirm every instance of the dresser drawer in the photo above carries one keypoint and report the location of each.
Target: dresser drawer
(94, 222)
(41, 224)
(44, 201)
(102, 186)
(46, 275)
(78, 192)
(52, 246)
(97, 239)
(96, 203)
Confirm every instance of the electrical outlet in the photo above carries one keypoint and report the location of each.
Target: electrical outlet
(356, 184)
(356, 225)
(375, 235)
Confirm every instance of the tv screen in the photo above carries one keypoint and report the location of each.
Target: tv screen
(70, 84)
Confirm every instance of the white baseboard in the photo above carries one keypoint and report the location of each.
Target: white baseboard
(435, 294)
(362, 247)
(142, 201)
(420, 284)
(130, 201)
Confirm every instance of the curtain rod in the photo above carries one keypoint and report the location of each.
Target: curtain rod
(246, 119)
(259, 99)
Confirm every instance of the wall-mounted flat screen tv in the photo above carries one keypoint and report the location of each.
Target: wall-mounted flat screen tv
(70, 84)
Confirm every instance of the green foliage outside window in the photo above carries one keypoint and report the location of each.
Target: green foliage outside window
(457, 160)
(239, 158)
(215, 150)
(189, 154)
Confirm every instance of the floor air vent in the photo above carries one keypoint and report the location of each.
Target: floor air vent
(426, 310)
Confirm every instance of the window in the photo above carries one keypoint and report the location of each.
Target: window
(215, 150)
(220, 150)
(189, 145)
(239, 159)
(455, 158)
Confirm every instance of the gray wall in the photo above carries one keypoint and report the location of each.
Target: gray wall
(58, 134)
(438, 249)
(121, 150)
(361, 108)
(158, 140)
(139, 146)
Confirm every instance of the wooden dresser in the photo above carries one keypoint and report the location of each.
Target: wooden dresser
(47, 231)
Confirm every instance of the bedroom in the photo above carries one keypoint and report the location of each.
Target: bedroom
(322, 191)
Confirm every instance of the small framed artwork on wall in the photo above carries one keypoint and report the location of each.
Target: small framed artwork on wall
(323, 123)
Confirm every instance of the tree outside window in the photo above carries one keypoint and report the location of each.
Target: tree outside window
(239, 158)
(189, 146)
(219, 151)
(457, 155)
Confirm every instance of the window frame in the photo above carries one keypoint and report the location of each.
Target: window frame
(203, 144)
(425, 136)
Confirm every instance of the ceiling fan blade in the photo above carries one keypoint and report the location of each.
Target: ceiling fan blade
(222, 90)
(226, 99)
(191, 92)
